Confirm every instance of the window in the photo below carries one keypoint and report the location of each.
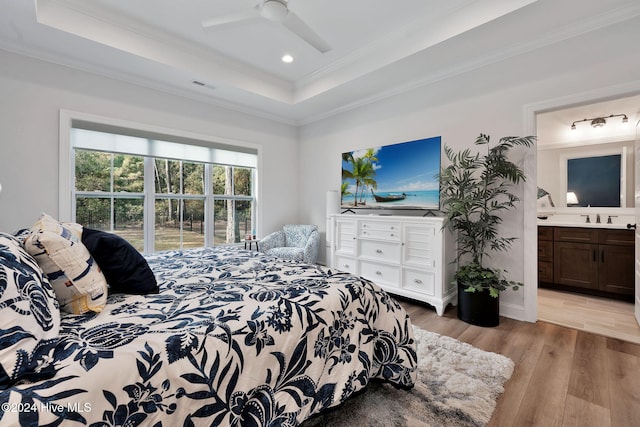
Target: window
(160, 194)
(179, 204)
(232, 188)
(109, 191)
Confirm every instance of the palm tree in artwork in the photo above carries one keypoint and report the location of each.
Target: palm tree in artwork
(363, 173)
(344, 189)
(369, 181)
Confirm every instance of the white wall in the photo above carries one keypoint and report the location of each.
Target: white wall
(32, 94)
(488, 100)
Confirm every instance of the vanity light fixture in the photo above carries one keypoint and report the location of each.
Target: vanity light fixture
(598, 122)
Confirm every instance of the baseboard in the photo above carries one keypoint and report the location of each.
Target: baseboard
(512, 311)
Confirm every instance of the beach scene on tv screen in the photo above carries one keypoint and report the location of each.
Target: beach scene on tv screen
(395, 176)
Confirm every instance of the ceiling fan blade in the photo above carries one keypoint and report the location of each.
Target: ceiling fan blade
(231, 18)
(302, 30)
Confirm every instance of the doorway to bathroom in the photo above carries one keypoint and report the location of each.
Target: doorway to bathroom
(553, 124)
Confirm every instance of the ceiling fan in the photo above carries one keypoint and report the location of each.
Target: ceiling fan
(276, 11)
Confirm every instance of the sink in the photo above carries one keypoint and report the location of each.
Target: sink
(573, 220)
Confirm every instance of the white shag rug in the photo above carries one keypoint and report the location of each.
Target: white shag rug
(457, 385)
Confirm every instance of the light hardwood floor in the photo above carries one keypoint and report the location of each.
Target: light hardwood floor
(562, 377)
(602, 316)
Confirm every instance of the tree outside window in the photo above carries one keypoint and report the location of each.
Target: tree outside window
(110, 195)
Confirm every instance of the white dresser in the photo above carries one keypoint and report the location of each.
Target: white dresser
(404, 255)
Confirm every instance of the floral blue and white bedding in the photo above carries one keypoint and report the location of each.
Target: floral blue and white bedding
(233, 337)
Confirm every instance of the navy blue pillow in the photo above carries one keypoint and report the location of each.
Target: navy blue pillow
(123, 266)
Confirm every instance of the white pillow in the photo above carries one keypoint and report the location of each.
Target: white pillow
(76, 278)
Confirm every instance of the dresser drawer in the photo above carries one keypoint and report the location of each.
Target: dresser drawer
(382, 251)
(380, 273)
(380, 230)
(419, 281)
(346, 264)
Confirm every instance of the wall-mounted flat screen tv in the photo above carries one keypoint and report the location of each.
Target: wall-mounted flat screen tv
(396, 176)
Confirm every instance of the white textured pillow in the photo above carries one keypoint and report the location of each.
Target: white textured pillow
(76, 278)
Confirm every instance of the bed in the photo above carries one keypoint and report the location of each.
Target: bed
(233, 337)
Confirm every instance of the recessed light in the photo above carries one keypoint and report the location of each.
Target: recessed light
(287, 58)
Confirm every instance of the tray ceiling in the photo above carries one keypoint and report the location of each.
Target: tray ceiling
(378, 48)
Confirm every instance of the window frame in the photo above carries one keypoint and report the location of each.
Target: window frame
(67, 194)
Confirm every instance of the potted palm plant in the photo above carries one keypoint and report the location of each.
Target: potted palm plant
(475, 191)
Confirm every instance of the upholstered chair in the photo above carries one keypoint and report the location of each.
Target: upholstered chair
(295, 242)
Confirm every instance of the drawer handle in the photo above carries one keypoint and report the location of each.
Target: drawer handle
(392, 235)
(418, 281)
(346, 266)
(379, 273)
(364, 232)
(378, 251)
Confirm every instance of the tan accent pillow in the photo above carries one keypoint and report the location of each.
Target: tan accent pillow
(76, 278)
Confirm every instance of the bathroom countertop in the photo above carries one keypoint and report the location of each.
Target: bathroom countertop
(559, 223)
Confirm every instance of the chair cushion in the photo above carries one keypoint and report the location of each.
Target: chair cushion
(294, 254)
(76, 278)
(29, 316)
(297, 235)
(123, 266)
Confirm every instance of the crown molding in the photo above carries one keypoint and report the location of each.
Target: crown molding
(127, 78)
(602, 21)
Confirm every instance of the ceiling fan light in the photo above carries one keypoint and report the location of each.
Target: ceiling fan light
(274, 10)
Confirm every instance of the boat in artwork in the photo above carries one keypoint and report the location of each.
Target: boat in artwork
(388, 197)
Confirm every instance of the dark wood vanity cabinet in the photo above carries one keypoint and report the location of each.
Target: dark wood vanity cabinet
(545, 254)
(596, 261)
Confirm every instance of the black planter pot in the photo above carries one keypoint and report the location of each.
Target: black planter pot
(478, 308)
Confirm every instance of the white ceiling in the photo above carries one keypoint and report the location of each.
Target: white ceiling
(379, 47)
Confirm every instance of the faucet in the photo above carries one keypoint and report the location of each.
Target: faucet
(588, 220)
(609, 218)
(597, 218)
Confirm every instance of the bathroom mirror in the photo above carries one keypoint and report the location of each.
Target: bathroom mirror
(588, 165)
(596, 181)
